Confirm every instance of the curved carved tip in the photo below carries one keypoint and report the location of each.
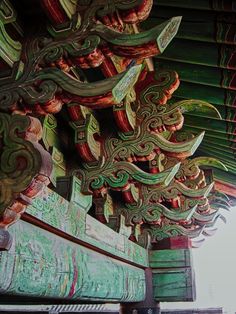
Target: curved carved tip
(209, 232)
(201, 136)
(215, 204)
(205, 218)
(225, 208)
(179, 149)
(186, 215)
(196, 193)
(168, 33)
(209, 161)
(197, 244)
(171, 173)
(198, 106)
(163, 178)
(192, 211)
(223, 218)
(176, 215)
(208, 189)
(126, 83)
(5, 240)
(196, 142)
(140, 45)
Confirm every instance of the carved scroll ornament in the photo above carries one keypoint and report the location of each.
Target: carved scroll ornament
(48, 80)
(25, 166)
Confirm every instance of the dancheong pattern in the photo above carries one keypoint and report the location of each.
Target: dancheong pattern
(85, 111)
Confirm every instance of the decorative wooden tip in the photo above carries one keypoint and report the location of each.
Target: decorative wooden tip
(168, 32)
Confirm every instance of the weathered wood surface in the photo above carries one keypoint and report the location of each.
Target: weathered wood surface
(173, 275)
(174, 285)
(130, 160)
(139, 154)
(170, 258)
(44, 265)
(71, 218)
(70, 189)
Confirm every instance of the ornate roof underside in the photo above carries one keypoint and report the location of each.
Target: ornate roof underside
(204, 55)
(105, 117)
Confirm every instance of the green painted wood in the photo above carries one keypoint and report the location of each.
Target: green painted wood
(199, 5)
(10, 50)
(223, 111)
(210, 124)
(173, 277)
(227, 161)
(70, 189)
(172, 285)
(211, 134)
(44, 265)
(170, 258)
(230, 114)
(25, 166)
(71, 218)
(50, 135)
(50, 138)
(224, 156)
(204, 31)
(226, 113)
(226, 152)
(223, 176)
(59, 165)
(210, 94)
(126, 83)
(162, 34)
(222, 144)
(206, 68)
(165, 11)
(200, 74)
(202, 53)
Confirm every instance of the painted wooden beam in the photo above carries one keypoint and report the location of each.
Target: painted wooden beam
(55, 213)
(44, 265)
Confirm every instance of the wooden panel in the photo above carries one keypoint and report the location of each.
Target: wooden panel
(173, 277)
(176, 284)
(170, 258)
(44, 265)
